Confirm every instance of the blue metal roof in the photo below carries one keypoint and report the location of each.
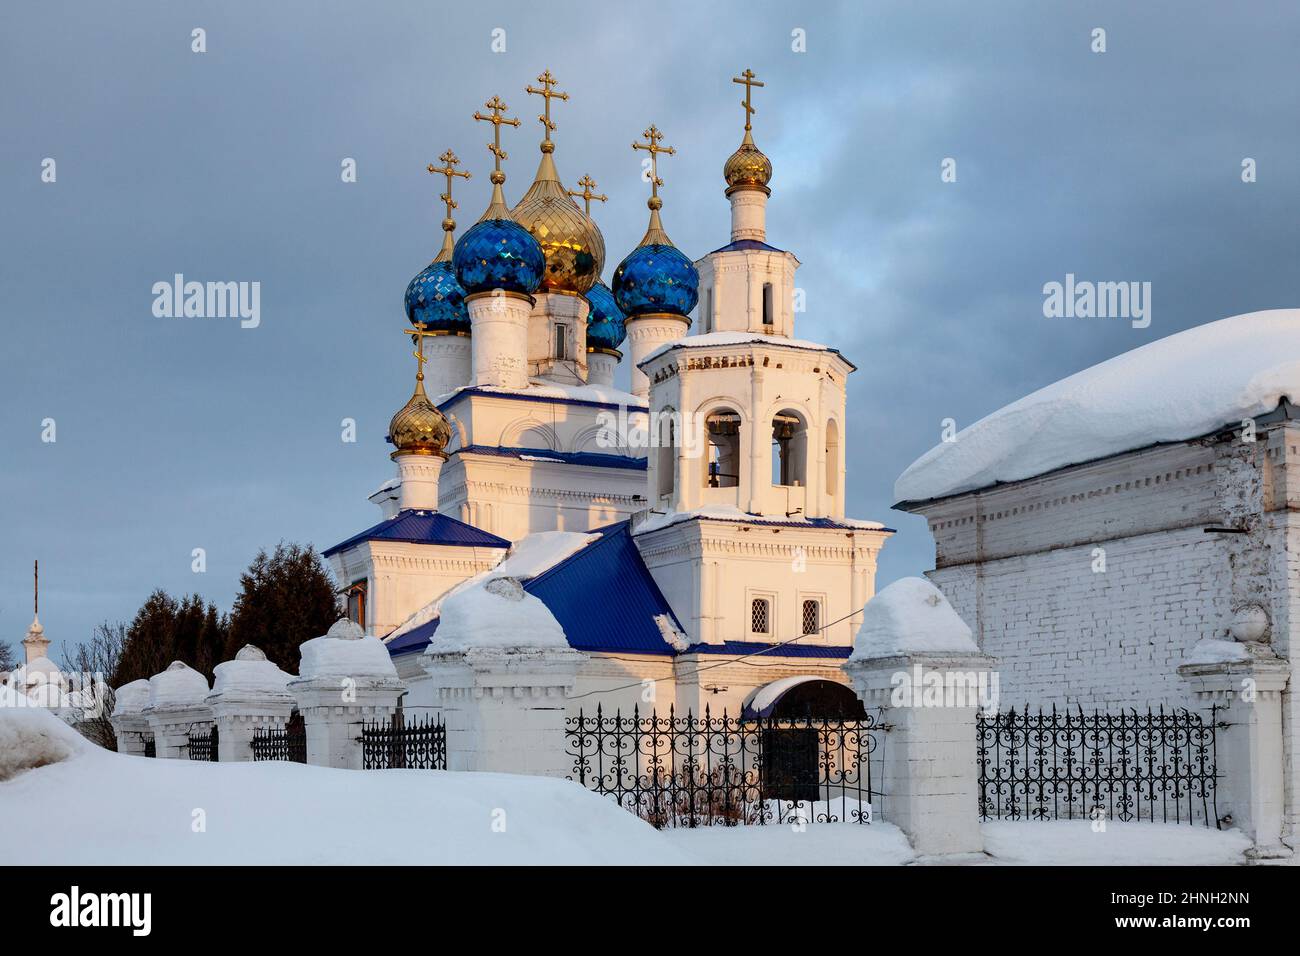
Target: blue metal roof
(423, 527)
(594, 458)
(603, 596)
(774, 650)
(746, 245)
(524, 395)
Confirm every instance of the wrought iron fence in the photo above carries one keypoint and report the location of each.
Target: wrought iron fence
(203, 746)
(1066, 765)
(287, 743)
(411, 743)
(724, 771)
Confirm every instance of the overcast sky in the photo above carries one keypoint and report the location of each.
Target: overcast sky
(175, 434)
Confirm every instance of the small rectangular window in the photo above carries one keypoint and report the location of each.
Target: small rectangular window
(561, 342)
(357, 604)
(768, 318)
(812, 617)
(759, 616)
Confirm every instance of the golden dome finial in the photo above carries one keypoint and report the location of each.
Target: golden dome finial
(448, 169)
(747, 167)
(654, 234)
(497, 207)
(419, 428)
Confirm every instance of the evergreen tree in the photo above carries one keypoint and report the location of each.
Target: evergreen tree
(285, 598)
(7, 660)
(166, 630)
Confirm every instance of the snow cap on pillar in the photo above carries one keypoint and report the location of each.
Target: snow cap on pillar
(131, 698)
(345, 651)
(178, 686)
(911, 616)
(249, 673)
(497, 614)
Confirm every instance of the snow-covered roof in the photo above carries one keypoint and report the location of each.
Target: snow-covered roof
(496, 614)
(552, 391)
(1182, 386)
(718, 339)
(178, 686)
(42, 665)
(655, 521)
(527, 558)
(911, 616)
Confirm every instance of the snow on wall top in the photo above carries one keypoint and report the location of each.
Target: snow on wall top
(1180, 387)
(131, 698)
(497, 614)
(715, 339)
(345, 657)
(249, 673)
(178, 686)
(911, 616)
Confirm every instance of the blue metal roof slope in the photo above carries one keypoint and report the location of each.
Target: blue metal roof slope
(597, 459)
(423, 527)
(603, 596)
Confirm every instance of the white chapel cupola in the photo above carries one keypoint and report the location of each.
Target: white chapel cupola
(748, 285)
(419, 433)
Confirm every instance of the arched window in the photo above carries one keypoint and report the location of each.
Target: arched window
(722, 428)
(789, 449)
(666, 463)
(832, 458)
(760, 616)
(768, 315)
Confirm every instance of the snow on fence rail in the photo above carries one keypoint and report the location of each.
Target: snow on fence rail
(1158, 766)
(722, 771)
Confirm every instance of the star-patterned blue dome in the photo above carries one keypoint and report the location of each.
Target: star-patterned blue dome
(605, 322)
(498, 254)
(436, 300)
(656, 277)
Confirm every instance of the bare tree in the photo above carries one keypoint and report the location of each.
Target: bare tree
(93, 664)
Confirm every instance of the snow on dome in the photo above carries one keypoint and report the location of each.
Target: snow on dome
(178, 686)
(42, 665)
(345, 657)
(497, 614)
(131, 698)
(911, 616)
(345, 630)
(249, 673)
(1180, 387)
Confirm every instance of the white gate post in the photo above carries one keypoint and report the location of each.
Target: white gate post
(1249, 750)
(130, 725)
(177, 707)
(247, 693)
(914, 659)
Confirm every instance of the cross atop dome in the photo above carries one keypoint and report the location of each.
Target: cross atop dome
(547, 93)
(448, 168)
(36, 644)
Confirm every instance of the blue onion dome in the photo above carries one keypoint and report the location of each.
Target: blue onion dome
(498, 253)
(656, 276)
(605, 322)
(436, 300)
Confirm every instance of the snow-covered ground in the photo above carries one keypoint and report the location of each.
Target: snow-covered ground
(105, 808)
(1056, 843)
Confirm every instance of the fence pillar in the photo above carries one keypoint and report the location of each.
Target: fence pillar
(130, 725)
(347, 680)
(1250, 750)
(177, 707)
(247, 693)
(504, 710)
(915, 660)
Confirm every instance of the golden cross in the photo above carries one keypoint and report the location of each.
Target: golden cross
(651, 146)
(448, 169)
(418, 335)
(548, 94)
(36, 588)
(496, 119)
(747, 78)
(587, 184)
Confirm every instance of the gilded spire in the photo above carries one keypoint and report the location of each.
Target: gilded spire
(654, 234)
(546, 169)
(747, 167)
(497, 207)
(448, 169)
(419, 428)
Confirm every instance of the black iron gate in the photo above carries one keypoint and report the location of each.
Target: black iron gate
(722, 771)
(1069, 765)
(203, 746)
(286, 743)
(405, 743)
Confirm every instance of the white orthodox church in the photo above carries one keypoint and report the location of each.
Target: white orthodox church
(691, 533)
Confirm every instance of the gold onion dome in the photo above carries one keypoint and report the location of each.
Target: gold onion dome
(570, 240)
(748, 167)
(419, 428)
